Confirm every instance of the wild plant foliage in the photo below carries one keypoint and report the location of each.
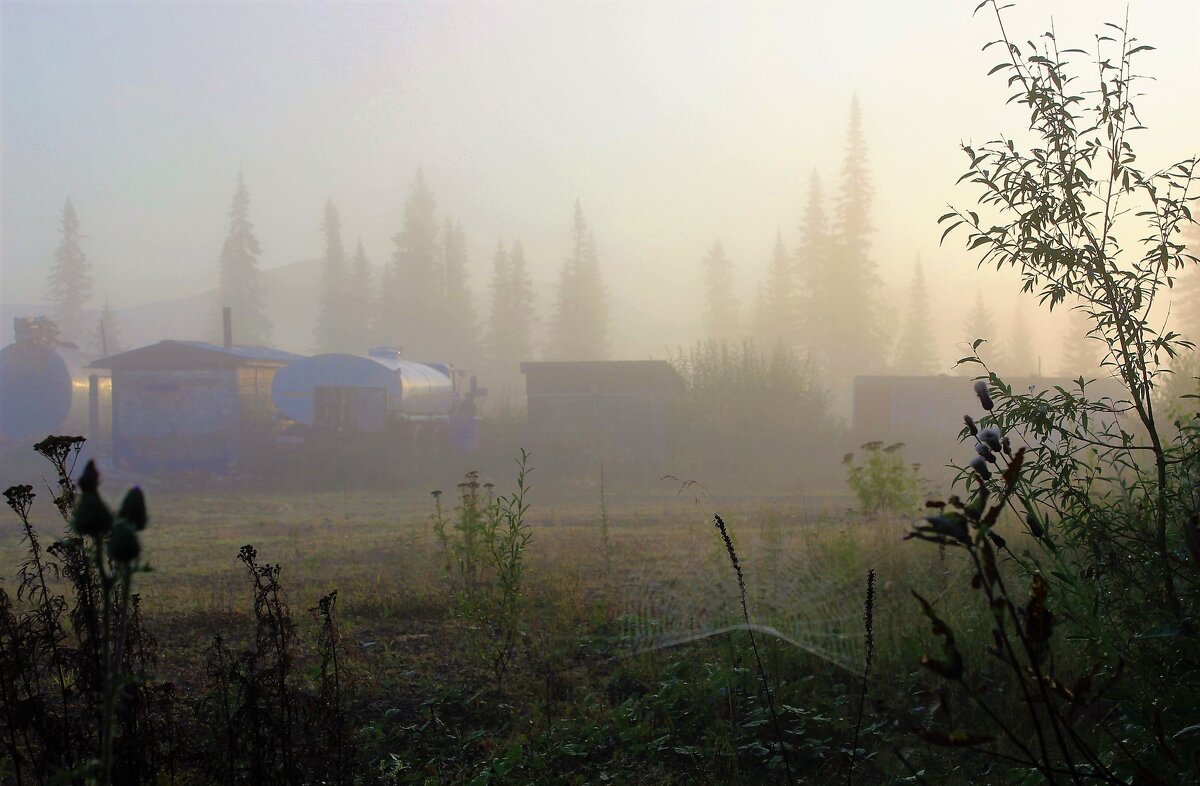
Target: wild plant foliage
(81, 701)
(260, 719)
(883, 482)
(484, 547)
(73, 667)
(1104, 487)
(1061, 213)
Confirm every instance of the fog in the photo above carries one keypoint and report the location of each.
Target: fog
(673, 124)
(574, 392)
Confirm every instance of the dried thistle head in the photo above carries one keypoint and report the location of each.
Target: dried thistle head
(91, 518)
(20, 499)
(124, 546)
(57, 449)
(133, 509)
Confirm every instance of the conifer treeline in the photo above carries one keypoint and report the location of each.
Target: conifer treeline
(822, 298)
(426, 307)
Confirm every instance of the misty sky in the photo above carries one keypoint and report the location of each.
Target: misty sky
(674, 123)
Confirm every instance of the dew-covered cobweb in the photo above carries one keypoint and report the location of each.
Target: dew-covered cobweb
(805, 580)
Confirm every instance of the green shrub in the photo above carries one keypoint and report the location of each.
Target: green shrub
(884, 482)
(484, 551)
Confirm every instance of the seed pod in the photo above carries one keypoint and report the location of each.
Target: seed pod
(970, 421)
(980, 466)
(1035, 526)
(990, 436)
(133, 508)
(123, 544)
(981, 390)
(92, 517)
(90, 479)
(986, 453)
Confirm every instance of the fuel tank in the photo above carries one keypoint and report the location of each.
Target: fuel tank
(49, 390)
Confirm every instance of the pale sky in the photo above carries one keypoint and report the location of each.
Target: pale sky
(674, 123)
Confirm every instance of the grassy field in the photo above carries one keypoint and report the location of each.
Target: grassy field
(623, 670)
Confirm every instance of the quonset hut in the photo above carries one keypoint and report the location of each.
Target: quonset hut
(191, 405)
(347, 417)
(47, 388)
(357, 393)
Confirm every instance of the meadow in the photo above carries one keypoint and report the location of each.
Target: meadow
(629, 665)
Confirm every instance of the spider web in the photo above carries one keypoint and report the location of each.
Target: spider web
(805, 583)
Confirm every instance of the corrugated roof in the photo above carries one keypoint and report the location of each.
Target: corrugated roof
(194, 353)
(250, 353)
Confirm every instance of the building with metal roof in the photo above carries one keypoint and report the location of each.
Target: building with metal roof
(187, 405)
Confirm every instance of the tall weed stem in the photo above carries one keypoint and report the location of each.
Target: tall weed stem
(762, 672)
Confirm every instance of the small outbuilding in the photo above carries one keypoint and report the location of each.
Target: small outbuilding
(926, 412)
(582, 413)
(191, 405)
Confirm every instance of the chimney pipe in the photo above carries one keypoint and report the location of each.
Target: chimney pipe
(227, 320)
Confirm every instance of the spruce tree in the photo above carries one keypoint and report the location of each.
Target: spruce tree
(524, 309)
(814, 268)
(1080, 355)
(776, 318)
(360, 303)
(412, 304)
(70, 279)
(1018, 355)
(915, 352)
(980, 325)
(500, 319)
(333, 331)
(720, 319)
(106, 337)
(580, 326)
(240, 288)
(851, 341)
(510, 327)
(459, 338)
(762, 327)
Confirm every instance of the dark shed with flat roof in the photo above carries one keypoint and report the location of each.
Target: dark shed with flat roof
(582, 413)
(185, 405)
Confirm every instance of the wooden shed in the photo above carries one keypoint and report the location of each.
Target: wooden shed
(582, 413)
(187, 405)
(926, 412)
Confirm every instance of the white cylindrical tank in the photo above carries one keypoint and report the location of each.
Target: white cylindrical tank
(411, 390)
